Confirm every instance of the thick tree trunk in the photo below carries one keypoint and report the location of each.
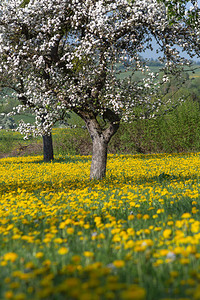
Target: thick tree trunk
(99, 158)
(100, 140)
(48, 148)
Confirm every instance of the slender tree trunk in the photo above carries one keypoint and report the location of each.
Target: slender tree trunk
(48, 148)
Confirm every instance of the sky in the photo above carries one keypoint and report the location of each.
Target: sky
(148, 54)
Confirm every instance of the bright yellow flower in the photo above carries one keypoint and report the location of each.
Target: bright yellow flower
(129, 244)
(186, 216)
(160, 210)
(10, 256)
(88, 254)
(70, 230)
(58, 241)
(63, 251)
(39, 254)
(167, 233)
(119, 263)
(8, 295)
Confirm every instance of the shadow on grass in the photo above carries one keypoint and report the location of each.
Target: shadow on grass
(65, 159)
(73, 159)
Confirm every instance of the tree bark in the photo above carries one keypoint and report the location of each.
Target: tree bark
(100, 138)
(100, 141)
(48, 148)
(99, 157)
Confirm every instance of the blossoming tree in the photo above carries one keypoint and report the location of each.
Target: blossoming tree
(67, 53)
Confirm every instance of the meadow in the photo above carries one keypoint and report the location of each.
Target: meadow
(134, 235)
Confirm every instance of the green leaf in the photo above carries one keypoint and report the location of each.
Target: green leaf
(24, 3)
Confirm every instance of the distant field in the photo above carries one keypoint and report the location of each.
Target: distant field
(196, 75)
(139, 75)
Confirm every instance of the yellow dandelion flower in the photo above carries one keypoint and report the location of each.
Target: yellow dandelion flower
(70, 230)
(76, 259)
(46, 263)
(86, 226)
(7, 280)
(134, 293)
(184, 261)
(58, 241)
(16, 236)
(139, 216)
(155, 216)
(10, 256)
(160, 210)
(167, 233)
(129, 244)
(63, 251)
(186, 216)
(14, 285)
(157, 228)
(62, 225)
(158, 263)
(191, 249)
(8, 295)
(20, 296)
(119, 263)
(174, 274)
(178, 250)
(88, 254)
(39, 254)
(164, 252)
(146, 217)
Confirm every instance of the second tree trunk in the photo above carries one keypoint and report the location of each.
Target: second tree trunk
(48, 148)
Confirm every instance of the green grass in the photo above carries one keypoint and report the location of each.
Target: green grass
(28, 118)
(134, 235)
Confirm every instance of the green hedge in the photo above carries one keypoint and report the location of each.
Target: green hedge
(178, 131)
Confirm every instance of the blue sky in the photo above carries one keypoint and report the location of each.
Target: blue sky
(152, 54)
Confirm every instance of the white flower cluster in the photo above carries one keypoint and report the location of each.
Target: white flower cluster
(62, 55)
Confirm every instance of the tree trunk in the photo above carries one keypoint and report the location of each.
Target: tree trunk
(48, 148)
(100, 140)
(99, 158)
